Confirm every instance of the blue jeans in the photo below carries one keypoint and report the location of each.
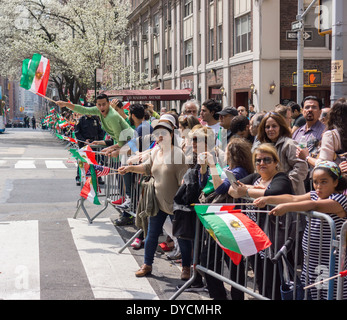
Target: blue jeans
(155, 227)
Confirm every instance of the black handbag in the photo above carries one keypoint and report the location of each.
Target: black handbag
(183, 224)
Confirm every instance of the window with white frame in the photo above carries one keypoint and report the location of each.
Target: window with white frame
(243, 33)
(188, 8)
(188, 53)
(243, 25)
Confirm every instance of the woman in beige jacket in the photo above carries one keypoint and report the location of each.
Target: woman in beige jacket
(167, 165)
(274, 129)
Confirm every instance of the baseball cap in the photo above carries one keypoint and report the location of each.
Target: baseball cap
(228, 110)
(161, 125)
(170, 118)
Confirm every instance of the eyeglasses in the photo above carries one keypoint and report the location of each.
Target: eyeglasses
(266, 160)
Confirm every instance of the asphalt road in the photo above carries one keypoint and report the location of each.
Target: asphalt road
(48, 255)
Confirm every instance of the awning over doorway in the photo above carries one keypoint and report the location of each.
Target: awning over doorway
(150, 95)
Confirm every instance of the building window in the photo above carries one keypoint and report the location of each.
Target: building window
(188, 8)
(220, 41)
(146, 67)
(211, 40)
(243, 33)
(188, 53)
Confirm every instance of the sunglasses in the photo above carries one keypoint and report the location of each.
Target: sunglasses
(266, 160)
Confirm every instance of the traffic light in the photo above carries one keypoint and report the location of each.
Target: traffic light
(325, 17)
(315, 78)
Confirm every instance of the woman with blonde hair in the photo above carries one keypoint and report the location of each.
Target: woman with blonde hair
(267, 180)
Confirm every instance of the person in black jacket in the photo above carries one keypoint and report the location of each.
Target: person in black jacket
(88, 129)
(267, 180)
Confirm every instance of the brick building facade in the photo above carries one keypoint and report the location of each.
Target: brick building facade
(218, 48)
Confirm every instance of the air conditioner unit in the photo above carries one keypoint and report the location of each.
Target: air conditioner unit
(134, 43)
(155, 72)
(126, 48)
(144, 37)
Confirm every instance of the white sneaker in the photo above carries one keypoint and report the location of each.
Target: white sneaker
(126, 204)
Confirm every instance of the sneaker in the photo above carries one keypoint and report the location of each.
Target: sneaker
(126, 204)
(119, 201)
(137, 243)
(124, 221)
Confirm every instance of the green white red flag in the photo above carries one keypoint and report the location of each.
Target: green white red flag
(66, 138)
(35, 74)
(85, 154)
(90, 188)
(234, 232)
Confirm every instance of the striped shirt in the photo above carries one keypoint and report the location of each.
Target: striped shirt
(316, 246)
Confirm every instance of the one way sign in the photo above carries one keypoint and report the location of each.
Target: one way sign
(293, 35)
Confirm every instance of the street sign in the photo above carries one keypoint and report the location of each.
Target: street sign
(307, 35)
(297, 25)
(293, 35)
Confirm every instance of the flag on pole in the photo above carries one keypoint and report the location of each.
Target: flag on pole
(85, 154)
(66, 138)
(100, 171)
(90, 188)
(234, 232)
(126, 106)
(207, 208)
(209, 188)
(35, 74)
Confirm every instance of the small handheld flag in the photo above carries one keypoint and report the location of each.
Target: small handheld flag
(35, 74)
(233, 230)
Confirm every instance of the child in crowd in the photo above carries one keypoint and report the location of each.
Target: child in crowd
(327, 198)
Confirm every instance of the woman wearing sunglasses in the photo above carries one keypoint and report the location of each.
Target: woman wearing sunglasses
(167, 165)
(267, 180)
(274, 129)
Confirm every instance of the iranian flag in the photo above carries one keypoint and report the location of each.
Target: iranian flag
(86, 154)
(66, 138)
(35, 74)
(90, 188)
(234, 232)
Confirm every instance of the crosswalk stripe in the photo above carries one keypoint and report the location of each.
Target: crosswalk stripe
(19, 256)
(25, 164)
(55, 164)
(111, 275)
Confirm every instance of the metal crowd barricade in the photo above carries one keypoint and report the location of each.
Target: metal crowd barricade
(102, 160)
(342, 260)
(249, 285)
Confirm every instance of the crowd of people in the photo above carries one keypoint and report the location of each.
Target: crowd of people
(292, 156)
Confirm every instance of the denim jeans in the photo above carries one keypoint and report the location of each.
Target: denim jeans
(155, 227)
